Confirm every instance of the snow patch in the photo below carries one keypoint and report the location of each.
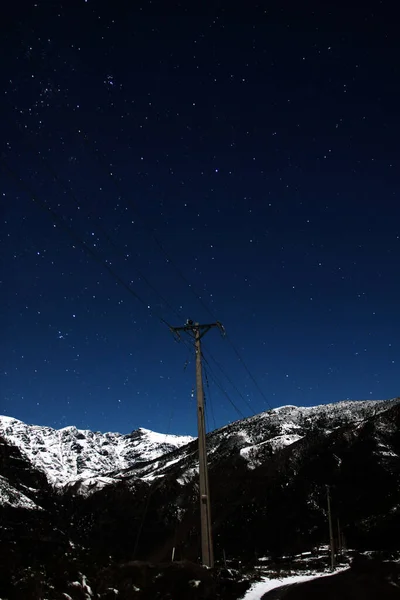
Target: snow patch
(260, 588)
(280, 441)
(253, 453)
(10, 496)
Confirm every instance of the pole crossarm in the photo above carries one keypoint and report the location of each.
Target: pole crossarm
(193, 327)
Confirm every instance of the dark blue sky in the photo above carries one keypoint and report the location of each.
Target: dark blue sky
(253, 155)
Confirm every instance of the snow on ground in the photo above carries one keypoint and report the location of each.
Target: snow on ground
(260, 588)
(89, 486)
(164, 466)
(280, 441)
(188, 475)
(276, 443)
(169, 438)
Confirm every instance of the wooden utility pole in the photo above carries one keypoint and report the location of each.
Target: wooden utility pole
(197, 331)
(331, 542)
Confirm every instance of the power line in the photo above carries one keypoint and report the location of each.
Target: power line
(58, 220)
(144, 221)
(248, 371)
(109, 239)
(206, 414)
(209, 397)
(220, 387)
(172, 262)
(68, 190)
(231, 382)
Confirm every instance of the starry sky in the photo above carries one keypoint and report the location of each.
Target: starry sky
(164, 161)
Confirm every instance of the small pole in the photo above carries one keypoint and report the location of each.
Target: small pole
(331, 542)
(173, 554)
(339, 538)
(224, 555)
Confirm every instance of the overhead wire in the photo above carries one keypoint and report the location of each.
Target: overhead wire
(208, 398)
(250, 374)
(60, 222)
(206, 413)
(155, 238)
(221, 388)
(68, 190)
(171, 261)
(239, 393)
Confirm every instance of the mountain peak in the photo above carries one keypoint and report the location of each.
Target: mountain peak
(71, 454)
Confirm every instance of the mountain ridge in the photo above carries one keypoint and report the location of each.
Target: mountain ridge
(70, 456)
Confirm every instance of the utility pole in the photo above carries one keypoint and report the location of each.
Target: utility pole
(328, 497)
(197, 331)
(339, 537)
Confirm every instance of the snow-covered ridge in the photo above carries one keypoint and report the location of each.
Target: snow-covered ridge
(285, 425)
(87, 460)
(255, 438)
(291, 420)
(70, 454)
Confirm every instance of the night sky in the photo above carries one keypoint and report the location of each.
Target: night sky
(167, 161)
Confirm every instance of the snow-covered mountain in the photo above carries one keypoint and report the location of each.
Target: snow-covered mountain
(70, 454)
(254, 439)
(83, 459)
(263, 434)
